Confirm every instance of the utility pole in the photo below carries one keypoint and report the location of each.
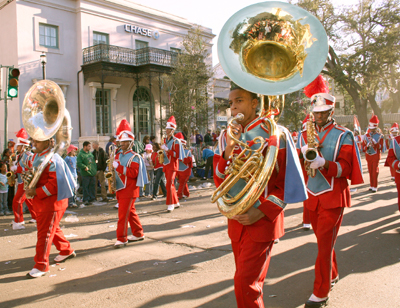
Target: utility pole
(5, 102)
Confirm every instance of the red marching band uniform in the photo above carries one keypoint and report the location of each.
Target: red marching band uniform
(22, 162)
(184, 170)
(173, 153)
(130, 175)
(393, 162)
(394, 131)
(54, 187)
(252, 244)
(328, 191)
(373, 146)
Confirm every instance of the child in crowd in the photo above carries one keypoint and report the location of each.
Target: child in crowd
(3, 190)
(150, 169)
(70, 159)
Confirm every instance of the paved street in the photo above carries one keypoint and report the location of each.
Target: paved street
(186, 258)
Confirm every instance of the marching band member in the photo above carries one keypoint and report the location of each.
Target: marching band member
(373, 146)
(294, 137)
(394, 132)
(185, 170)
(23, 156)
(338, 160)
(393, 160)
(252, 234)
(50, 200)
(130, 175)
(173, 153)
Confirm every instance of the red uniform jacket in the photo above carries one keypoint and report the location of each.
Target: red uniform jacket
(271, 226)
(173, 156)
(156, 161)
(46, 188)
(392, 161)
(378, 147)
(128, 173)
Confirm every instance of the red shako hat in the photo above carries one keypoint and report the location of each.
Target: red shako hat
(318, 92)
(373, 122)
(22, 137)
(171, 123)
(394, 128)
(124, 132)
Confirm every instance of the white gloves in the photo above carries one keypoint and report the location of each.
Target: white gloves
(164, 147)
(115, 164)
(318, 162)
(304, 148)
(13, 168)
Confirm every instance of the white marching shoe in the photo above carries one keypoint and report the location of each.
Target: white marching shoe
(306, 226)
(61, 258)
(120, 244)
(35, 273)
(32, 221)
(133, 238)
(17, 226)
(170, 208)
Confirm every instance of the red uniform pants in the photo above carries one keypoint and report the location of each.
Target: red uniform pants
(306, 215)
(18, 204)
(127, 213)
(326, 224)
(183, 178)
(172, 197)
(252, 261)
(373, 168)
(48, 232)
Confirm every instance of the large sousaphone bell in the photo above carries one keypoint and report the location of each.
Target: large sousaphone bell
(44, 115)
(269, 48)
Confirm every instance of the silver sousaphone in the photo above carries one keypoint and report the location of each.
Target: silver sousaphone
(269, 48)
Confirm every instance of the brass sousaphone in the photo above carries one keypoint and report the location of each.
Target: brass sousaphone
(44, 115)
(269, 48)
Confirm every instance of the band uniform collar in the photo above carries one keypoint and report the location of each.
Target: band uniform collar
(44, 152)
(325, 127)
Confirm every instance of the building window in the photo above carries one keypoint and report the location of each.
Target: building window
(103, 122)
(48, 35)
(141, 102)
(173, 49)
(100, 38)
(141, 44)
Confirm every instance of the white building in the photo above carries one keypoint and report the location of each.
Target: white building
(94, 47)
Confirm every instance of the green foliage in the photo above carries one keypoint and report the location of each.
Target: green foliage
(188, 82)
(295, 110)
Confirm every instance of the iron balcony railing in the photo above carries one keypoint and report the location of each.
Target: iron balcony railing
(134, 57)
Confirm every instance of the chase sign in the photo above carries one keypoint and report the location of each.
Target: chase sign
(142, 31)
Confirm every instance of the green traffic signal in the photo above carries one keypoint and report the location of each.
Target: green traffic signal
(13, 82)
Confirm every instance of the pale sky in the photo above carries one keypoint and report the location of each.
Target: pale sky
(209, 13)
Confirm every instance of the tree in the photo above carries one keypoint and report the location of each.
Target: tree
(188, 82)
(294, 110)
(364, 48)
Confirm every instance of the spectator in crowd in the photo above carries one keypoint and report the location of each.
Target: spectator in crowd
(208, 156)
(88, 169)
(3, 190)
(158, 172)
(214, 138)
(11, 145)
(208, 138)
(199, 139)
(100, 158)
(146, 140)
(152, 139)
(150, 169)
(70, 159)
(193, 140)
(7, 158)
(109, 143)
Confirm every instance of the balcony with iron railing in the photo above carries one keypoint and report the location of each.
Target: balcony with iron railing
(127, 56)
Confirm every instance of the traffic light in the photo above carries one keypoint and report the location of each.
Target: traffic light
(13, 82)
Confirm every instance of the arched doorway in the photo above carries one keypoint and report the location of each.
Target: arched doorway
(141, 111)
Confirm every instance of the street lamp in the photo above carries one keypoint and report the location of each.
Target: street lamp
(43, 60)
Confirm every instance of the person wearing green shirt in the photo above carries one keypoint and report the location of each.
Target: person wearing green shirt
(88, 168)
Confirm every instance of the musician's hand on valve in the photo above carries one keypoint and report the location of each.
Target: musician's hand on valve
(115, 164)
(13, 168)
(30, 192)
(164, 147)
(318, 162)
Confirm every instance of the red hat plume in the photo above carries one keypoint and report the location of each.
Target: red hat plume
(319, 85)
(123, 126)
(22, 134)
